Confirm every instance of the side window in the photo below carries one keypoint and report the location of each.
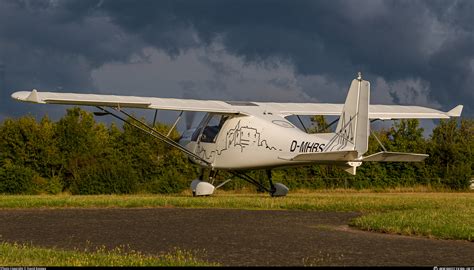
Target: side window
(199, 128)
(210, 132)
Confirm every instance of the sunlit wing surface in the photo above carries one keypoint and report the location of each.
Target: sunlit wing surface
(303, 108)
(401, 112)
(125, 101)
(384, 112)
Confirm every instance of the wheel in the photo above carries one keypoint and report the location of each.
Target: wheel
(278, 190)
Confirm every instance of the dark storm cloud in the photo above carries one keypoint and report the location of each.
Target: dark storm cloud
(317, 36)
(396, 40)
(392, 39)
(451, 68)
(36, 28)
(45, 46)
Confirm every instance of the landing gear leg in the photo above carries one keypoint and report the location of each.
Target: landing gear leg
(212, 176)
(272, 186)
(275, 190)
(201, 176)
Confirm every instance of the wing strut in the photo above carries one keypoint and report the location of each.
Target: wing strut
(154, 133)
(174, 125)
(377, 138)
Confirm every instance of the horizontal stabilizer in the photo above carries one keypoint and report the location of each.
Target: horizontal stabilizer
(324, 156)
(395, 156)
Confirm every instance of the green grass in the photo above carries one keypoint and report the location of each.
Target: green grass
(437, 222)
(26, 255)
(435, 215)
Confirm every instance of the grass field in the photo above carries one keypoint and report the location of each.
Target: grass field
(433, 215)
(26, 255)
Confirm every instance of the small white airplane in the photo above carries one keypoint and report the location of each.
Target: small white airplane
(241, 135)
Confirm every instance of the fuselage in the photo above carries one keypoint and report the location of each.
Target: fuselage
(251, 141)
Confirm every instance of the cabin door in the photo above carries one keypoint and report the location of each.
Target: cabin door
(206, 136)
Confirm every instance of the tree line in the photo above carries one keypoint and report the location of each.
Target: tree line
(81, 156)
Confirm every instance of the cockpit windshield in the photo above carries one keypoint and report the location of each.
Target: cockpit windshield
(213, 124)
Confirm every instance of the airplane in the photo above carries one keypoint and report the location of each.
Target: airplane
(237, 136)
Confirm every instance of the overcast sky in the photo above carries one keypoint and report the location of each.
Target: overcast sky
(413, 52)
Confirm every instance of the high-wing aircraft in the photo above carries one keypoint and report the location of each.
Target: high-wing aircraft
(241, 135)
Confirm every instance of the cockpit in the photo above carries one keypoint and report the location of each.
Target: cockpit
(209, 128)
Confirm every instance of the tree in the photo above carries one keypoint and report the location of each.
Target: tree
(406, 136)
(451, 152)
(29, 154)
(85, 157)
(82, 143)
(24, 142)
(319, 124)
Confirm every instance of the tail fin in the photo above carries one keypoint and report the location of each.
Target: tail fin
(353, 125)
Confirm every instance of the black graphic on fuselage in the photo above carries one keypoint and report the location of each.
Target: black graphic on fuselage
(344, 136)
(238, 137)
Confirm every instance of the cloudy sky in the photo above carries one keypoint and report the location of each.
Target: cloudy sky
(413, 52)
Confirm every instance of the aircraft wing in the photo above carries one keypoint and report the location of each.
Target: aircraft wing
(383, 112)
(126, 101)
(387, 112)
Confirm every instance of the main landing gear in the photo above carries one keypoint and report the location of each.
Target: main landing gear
(201, 188)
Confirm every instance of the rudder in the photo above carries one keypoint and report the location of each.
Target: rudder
(353, 125)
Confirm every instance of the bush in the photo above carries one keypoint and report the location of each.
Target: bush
(54, 185)
(16, 180)
(170, 182)
(105, 178)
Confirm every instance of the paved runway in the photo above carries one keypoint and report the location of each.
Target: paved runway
(231, 237)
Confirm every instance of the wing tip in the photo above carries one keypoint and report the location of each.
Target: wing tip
(455, 112)
(27, 96)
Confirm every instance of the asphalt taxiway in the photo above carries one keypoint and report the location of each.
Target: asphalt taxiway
(231, 237)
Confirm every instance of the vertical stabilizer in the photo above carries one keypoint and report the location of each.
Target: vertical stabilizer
(353, 125)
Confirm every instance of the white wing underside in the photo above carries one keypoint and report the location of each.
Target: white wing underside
(239, 107)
